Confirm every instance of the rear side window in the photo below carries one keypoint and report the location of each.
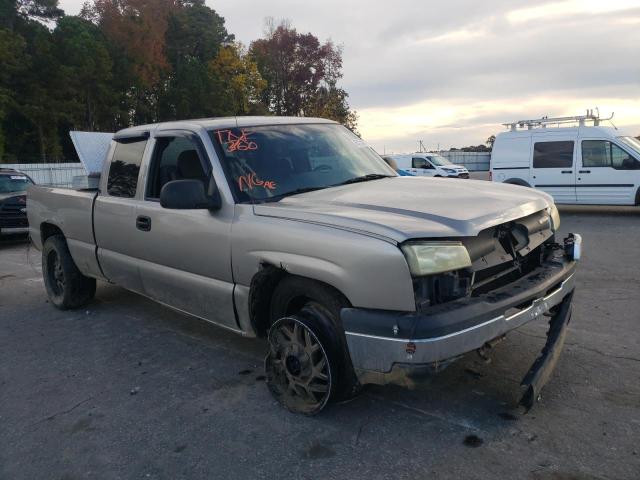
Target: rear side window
(124, 169)
(553, 154)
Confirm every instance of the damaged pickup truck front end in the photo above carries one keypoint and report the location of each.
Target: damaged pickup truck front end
(482, 288)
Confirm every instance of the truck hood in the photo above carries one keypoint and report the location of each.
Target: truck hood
(402, 208)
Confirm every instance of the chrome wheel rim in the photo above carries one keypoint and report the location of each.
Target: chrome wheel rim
(297, 367)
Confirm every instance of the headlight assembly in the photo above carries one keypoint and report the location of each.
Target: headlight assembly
(427, 258)
(555, 217)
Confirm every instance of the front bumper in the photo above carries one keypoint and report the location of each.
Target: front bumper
(387, 347)
(13, 217)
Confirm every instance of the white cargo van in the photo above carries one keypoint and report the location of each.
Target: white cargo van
(429, 165)
(586, 164)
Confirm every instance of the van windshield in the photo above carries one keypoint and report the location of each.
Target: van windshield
(632, 142)
(267, 163)
(439, 160)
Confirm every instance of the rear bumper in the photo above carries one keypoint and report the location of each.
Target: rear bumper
(386, 347)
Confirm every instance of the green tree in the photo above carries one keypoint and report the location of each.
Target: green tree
(31, 124)
(239, 82)
(194, 37)
(85, 69)
(14, 10)
(12, 64)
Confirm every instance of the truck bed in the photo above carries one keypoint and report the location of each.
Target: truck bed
(71, 211)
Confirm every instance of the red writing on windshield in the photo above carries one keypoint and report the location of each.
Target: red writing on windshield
(234, 142)
(251, 180)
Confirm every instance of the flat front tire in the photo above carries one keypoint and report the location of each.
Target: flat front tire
(316, 307)
(66, 286)
(300, 371)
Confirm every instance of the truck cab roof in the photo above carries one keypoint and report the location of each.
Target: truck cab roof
(219, 122)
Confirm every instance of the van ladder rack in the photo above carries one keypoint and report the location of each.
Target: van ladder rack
(544, 121)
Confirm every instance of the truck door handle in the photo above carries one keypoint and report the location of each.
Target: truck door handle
(143, 223)
(584, 171)
(567, 171)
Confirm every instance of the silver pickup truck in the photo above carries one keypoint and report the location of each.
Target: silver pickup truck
(295, 230)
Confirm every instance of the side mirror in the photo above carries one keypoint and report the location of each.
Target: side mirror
(188, 195)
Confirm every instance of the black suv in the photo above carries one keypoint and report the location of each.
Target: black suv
(13, 199)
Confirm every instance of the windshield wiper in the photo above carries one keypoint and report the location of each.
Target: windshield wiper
(275, 198)
(366, 178)
(363, 178)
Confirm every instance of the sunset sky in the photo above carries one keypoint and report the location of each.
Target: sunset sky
(450, 72)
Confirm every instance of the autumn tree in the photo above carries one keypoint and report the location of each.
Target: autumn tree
(301, 74)
(125, 62)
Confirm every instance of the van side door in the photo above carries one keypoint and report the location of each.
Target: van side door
(422, 167)
(608, 174)
(185, 254)
(552, 162)
(115, 212)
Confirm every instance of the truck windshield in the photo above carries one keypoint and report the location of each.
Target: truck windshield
(271, 162)
(632, 142)
(14, 183)
(439, 161)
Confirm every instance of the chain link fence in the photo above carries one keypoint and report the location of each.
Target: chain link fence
(50, 174)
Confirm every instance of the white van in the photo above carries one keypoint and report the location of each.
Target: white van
(429, 165)
(581, 164)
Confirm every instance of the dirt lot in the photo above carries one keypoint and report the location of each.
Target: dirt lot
(129, 389)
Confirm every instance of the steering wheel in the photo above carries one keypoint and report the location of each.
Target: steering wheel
(322, 167)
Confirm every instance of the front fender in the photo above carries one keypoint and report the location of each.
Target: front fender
(369, 271)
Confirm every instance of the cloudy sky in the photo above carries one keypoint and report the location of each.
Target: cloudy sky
(450, 72)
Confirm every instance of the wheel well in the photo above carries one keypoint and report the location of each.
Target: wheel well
(263, 285)
(517, 181)
(47, 230)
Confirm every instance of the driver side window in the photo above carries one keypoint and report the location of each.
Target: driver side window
(602, 153)
(174, 158)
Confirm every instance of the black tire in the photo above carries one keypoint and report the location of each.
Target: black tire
(66, 287)
(318, 306)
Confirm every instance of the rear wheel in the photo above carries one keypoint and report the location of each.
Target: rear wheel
(66, 286)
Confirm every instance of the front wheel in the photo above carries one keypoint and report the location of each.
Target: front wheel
(300, 370)
(66, 286)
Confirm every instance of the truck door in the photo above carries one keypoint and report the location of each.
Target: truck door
(186, 254)
(422, 167)
(553, 168)
(606, 173)
(114, 214)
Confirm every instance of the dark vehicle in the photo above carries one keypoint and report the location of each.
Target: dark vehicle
(13, 200)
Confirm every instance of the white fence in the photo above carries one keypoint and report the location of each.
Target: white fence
(474, 161)
(51, 174)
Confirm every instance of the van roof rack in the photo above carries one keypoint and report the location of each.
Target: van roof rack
(543, 122)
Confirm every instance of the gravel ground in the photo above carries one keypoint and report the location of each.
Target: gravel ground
(129, 389)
